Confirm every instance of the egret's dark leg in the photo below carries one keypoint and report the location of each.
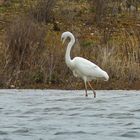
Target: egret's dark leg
(86, 88)
(92, 89)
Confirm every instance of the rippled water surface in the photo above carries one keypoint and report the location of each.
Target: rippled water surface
(69, 115)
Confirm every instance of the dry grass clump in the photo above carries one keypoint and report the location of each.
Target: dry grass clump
(42, 10)
(24, 42)
(120, 56)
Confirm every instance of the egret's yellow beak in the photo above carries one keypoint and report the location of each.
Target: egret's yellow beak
(63, 40)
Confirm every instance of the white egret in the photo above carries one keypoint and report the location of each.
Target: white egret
(81, 67)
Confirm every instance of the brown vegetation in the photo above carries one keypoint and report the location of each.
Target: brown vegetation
(32, 55)
(24, 44)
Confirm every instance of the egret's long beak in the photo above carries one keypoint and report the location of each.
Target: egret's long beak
(63, 40)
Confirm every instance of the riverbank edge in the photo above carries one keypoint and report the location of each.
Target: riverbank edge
(118, 85)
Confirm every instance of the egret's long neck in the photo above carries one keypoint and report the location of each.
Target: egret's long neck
(67, 55)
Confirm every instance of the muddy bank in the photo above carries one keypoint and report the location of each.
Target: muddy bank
(111, 85)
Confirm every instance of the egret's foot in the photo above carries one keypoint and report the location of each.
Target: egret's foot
(86, 95)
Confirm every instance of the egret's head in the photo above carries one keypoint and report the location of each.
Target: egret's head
(63, 38)
(66, 35)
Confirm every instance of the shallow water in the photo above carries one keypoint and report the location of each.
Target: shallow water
(68, 115)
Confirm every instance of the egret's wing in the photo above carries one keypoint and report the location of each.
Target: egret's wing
(86, 67)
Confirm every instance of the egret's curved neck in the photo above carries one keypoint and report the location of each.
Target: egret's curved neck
(67, 55)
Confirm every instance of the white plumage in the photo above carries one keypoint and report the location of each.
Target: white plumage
(81, 67)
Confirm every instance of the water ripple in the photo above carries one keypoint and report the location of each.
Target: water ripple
(23, 130)
(70, 133)
(131, 134)
(3, 133)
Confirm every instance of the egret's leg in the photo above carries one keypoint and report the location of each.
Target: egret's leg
(92, 89)
(86, 88)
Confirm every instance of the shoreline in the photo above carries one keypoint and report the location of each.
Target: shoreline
(135, 85)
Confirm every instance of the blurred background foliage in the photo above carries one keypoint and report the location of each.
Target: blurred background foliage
(31, 54)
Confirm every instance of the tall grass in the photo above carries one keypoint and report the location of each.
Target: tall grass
(42, 10)
(24, 43)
